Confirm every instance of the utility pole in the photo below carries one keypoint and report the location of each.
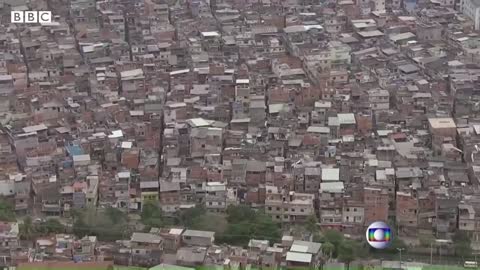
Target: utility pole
(440, 254)
(400, 250)
(431, 253)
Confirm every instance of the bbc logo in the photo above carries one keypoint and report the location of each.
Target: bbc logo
(31, 17)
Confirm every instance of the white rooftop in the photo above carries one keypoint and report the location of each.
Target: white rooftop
(131, 73)
(79, 158)
(116, 134)
(446, 122)
(299, 248)
(123, 174)
(299, 257)
(127, 145)
(402, 36)
(6, 77)
(242, 81)
(313, 129)
(198, 122)
(346, 119)
(175, 231)
(369, 34)
(210, 34)
(178, 72)
(333, 187)
(330, 174)
(34, 128)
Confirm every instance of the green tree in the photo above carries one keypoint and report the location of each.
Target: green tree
(346, 253)
(463, 250)
(115, 215)
(198, 218)
(361, 248)
(318, 238)
(26, 229)
(334, 237)
(427, 240)
(50, 226)
(462, 244)
(396, 244)
(239, 213)
(6, 211)
(236, 234)
(460, 236)
(265, 227)
(189, 217)
(328, 249)
(80, 227)
(106, 224)
(311, 224)
(152, 215)
(245, 224)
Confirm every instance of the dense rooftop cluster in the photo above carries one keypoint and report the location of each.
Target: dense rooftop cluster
(346, 111)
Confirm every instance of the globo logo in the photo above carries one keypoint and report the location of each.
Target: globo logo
(379, 235)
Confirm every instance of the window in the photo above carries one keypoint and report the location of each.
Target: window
(270, 208)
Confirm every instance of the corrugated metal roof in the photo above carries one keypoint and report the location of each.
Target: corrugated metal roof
(198, 122)
(34, 128)
(335, 187)
(194, 233)
(346, 118)
(331, 174)
(325, 130)
(309, 247)
(299, 257)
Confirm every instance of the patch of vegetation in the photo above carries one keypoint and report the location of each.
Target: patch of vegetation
(108, 224)
(152, 215)
(29, 230)
(245, 223)
(7, 212)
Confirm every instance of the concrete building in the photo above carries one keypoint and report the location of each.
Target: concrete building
(288, 206)
(471, 9)
(198, 238)
(406, 211)
(330, 203)
(379, 99)
(215, 196)
(376, 204)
